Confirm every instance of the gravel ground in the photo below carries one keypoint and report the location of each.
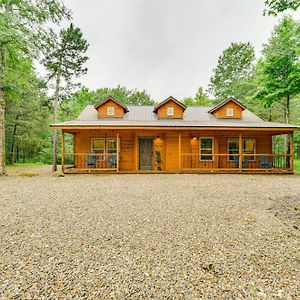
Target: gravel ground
(149, 236)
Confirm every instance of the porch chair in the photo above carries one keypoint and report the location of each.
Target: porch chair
(245, 163)
(236, 161)
(265, 162)
(111, 162)
(91, 161)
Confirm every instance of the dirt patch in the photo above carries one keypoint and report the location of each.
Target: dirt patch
(287, 209)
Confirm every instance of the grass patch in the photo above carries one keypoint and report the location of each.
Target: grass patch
(18, 165)
(297, 166)
(28, 174)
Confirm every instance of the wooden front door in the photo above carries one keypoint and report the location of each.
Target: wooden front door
(146, 153)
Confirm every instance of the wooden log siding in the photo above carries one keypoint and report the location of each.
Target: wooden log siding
(221, 113)
(173, 144)
(177, 111)
(118, 110)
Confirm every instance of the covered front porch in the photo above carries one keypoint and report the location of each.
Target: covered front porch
(181, 151)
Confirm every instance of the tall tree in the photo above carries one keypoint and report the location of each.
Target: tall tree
(274, 7)
(281, 66)
(26, 113)
(22, 24)
(64, 60)
(234, 68)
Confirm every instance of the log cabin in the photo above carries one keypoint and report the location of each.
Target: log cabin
(174, 138)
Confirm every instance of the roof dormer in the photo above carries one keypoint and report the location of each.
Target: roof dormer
(228, 109)
(110, 108)
(170, 109)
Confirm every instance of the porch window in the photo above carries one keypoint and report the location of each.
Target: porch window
(98, 145)
(233, 148)
(111, 145)
(110, 111)
(102, 145)
(206, 148)
(170, 111)
(248, 148)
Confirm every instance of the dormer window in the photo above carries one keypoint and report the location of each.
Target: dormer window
(228, 109)
(229, 112)
(110, 111)
(170, 111)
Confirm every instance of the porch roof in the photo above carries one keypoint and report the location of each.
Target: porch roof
(194, 116)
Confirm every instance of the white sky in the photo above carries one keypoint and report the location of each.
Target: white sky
(167, 47)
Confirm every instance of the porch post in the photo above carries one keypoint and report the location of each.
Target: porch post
(292, 151)
(118, 150)
(179, 151)
(240, 151)
(136, 157)
(62, 151)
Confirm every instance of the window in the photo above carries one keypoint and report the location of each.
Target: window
(98, 145)
(111, 145)
(110, 111)
(102, 145)
(206, 147)
(170, 111)
(233, 148)
(229, 112)
(248, 148)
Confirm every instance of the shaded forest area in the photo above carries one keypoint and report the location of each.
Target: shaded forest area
(30, 33)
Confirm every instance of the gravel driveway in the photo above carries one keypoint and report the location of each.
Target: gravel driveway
(149, 236)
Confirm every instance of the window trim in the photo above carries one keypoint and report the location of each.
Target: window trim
(92, 139)
(229, 109)
(236, 139)
(212, 149)
(102, 138)
(110, 111)
(168, 111)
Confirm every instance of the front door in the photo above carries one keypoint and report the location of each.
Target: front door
(146, 153)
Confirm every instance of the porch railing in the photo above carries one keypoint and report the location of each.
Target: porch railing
(226, 161)
(91, 161)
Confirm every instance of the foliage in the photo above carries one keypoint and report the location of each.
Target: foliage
(280, 67)
(64, 60)
(26, 112)
(72, 108)
(274, 7)
(297, 166)
(200, 98)
(23, 24)
(233, 71)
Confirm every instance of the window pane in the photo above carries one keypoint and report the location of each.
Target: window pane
(249, 148)
(206, 143)
(98, 145)
(206, 147)
(248, 145)
(233, 148)
(111, 145)
(206, 157)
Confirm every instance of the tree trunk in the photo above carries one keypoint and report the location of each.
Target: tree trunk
(2, 114)
(56, 100)
(287, 109)
(13, 143)
(287, 120)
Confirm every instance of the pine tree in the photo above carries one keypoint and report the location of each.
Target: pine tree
(64, 60)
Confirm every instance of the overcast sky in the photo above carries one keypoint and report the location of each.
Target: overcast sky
(167, 47)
